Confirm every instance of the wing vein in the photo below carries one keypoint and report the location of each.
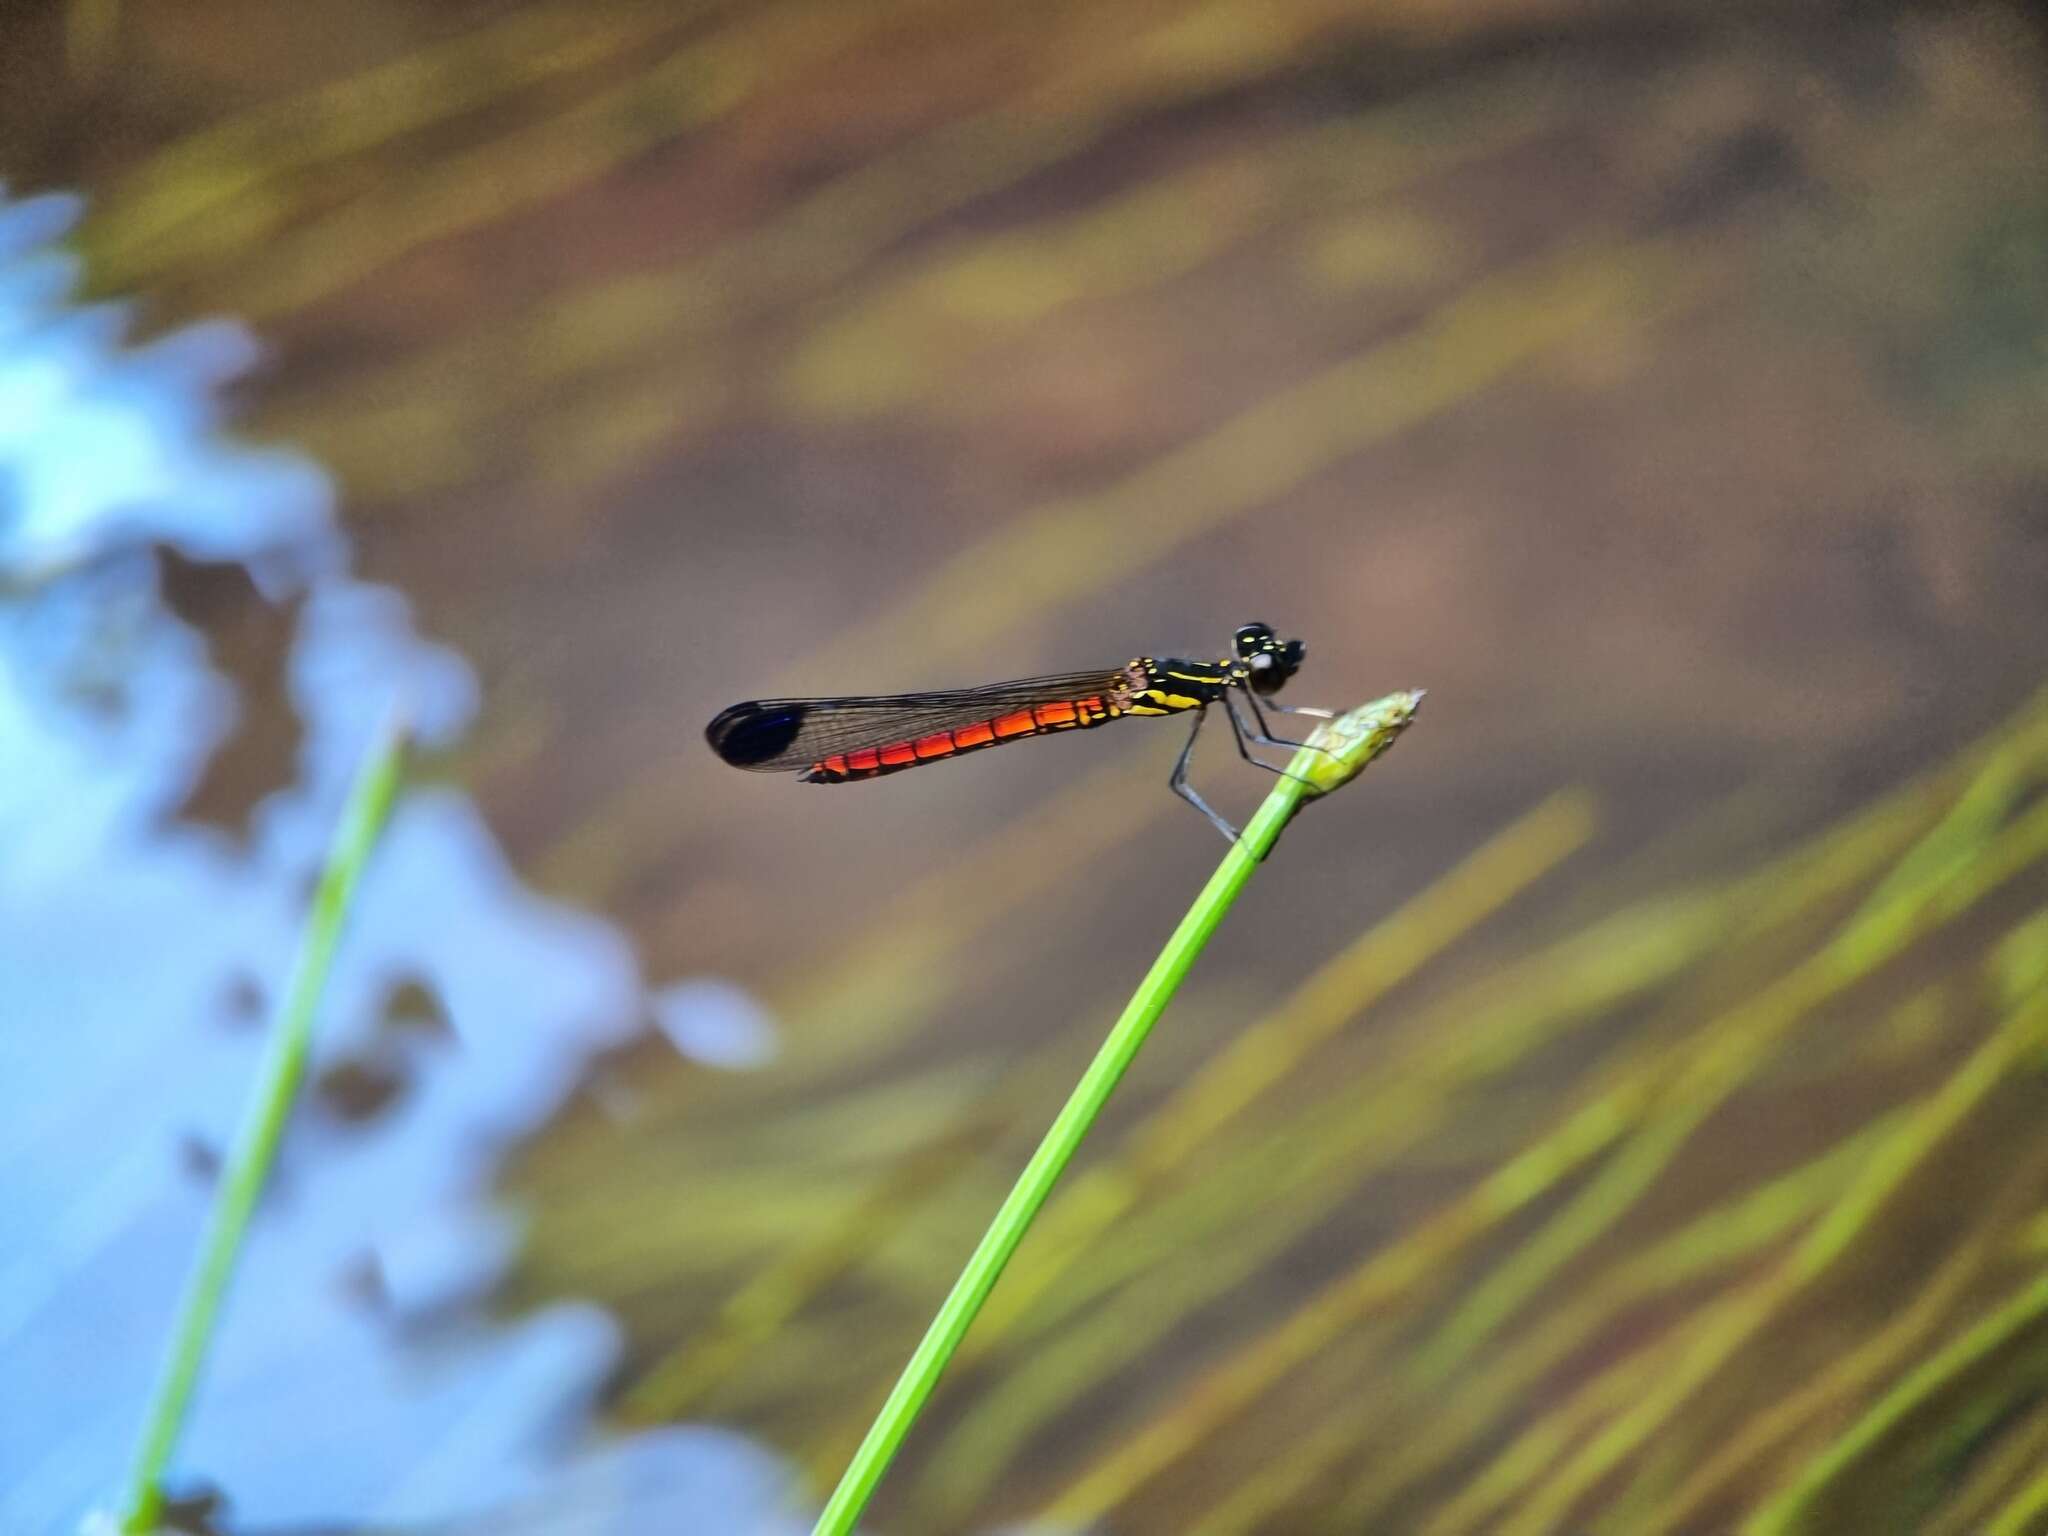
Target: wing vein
(775, 735)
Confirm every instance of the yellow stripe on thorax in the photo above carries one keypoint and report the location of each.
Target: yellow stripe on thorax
(1159, 701)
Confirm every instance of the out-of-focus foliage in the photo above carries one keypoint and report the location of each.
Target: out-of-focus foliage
(1624, 1115)
(1718, 1208)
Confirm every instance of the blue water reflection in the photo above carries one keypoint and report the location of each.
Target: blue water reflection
(350, 1385)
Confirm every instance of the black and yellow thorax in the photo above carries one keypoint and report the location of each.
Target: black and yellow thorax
(1172, 686)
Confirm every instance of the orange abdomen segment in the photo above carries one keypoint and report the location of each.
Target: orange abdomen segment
(872, 762)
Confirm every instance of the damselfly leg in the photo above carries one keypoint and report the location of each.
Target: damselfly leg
(1264, 734)
(1180, 785)
(1303, 709)
(1244, 735)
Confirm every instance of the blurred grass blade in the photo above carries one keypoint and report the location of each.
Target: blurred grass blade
(248, 1164)
(1338, 751)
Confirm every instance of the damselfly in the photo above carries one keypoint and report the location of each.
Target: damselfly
(835, 741)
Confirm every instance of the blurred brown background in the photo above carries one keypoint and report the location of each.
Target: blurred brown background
(1660, 385)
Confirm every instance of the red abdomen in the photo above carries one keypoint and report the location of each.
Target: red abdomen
(892, 757)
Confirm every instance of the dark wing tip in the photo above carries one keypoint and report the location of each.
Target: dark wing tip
(753, 734)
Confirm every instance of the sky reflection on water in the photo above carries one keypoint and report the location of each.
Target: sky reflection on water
(127, 936)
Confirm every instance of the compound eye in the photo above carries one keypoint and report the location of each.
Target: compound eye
(1253, 637)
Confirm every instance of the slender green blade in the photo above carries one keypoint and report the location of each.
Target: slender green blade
(1337, 752)
(277, 1081)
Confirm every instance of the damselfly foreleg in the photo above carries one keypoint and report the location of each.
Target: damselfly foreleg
(1244, 735)
(1264, 734)
(1303, 709)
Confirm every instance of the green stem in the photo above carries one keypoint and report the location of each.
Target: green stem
(1341, 749)
(278, 1074)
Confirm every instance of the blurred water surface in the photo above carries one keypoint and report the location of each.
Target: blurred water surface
(1619, 1113)
(143, 953)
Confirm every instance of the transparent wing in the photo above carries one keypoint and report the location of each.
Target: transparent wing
(773, 735)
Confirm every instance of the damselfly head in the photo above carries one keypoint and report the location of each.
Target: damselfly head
(1269, 661)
